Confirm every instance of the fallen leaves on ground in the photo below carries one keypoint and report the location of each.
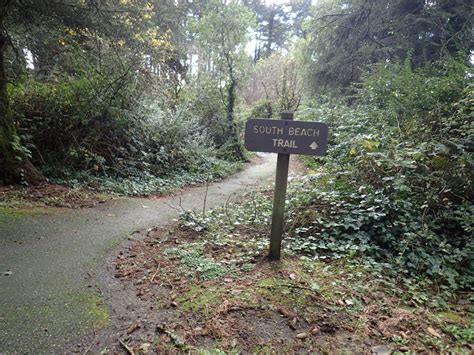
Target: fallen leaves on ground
(265, 306)
(48, 195)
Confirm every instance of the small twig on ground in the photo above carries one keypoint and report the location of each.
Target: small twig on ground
(205, 200)
(156, 272)
(125, 346)
(170, 284)
(180, 207)
(173, 207)
(289, 286)
(87, 350)
(225, 207)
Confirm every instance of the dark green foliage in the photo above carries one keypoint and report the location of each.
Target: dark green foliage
(78, 132)
(397, 181)
(232, 22)
(13, 156)
(345, 37)
(83, 75)
(262, 109)
(205, 99)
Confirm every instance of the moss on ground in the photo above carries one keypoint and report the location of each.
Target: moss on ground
(95, 311)
(8, 214)
(55, 319)
(199, 299)
(56, 309)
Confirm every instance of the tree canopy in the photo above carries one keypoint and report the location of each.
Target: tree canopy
(344, 37)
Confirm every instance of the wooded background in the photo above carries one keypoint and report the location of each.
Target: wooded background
(119, 95)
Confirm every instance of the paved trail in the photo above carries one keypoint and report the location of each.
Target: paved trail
(50, 297)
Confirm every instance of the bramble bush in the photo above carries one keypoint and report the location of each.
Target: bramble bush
(396, 183)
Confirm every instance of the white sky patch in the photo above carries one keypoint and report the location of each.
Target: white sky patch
(277, 2)
(250, 45)
(285, 2)
(29, 58)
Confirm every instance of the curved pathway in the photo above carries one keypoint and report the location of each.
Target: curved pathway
(48, 293)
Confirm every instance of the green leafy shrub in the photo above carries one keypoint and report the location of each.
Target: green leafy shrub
(262, 109)
(203, 95)
(79, 133)
(396, 184)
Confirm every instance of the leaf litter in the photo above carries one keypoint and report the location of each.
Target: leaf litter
(217, 291)
(49, 195)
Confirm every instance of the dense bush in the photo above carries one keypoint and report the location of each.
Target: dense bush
(263, 109)
(78, 131)
(203, 95)
(396, 184)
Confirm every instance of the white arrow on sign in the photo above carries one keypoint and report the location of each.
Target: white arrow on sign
(313, 145)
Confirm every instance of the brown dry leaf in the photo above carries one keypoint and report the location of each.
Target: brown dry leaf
(315, 330)
(292, 323)
(286, 312)
(302, 335)
(134, 326)
(224, 307)
(371, 309)
(217, 328)
(366, 300)
(433, 332)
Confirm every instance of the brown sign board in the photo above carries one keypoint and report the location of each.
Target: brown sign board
(286, 136)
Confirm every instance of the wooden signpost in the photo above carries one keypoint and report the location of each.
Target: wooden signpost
(284, 137)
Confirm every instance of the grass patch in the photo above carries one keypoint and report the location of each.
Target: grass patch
(192, 258)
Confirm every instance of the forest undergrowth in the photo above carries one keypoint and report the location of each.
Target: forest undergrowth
(378, 241)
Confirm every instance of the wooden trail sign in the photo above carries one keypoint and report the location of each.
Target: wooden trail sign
(284, 137)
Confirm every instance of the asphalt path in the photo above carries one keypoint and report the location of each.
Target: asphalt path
(48, 287)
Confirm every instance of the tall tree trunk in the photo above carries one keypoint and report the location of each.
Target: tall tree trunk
(14, 165)
(232, 132)
(271, 21)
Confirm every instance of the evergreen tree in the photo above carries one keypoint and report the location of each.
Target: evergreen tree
(346, 36)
